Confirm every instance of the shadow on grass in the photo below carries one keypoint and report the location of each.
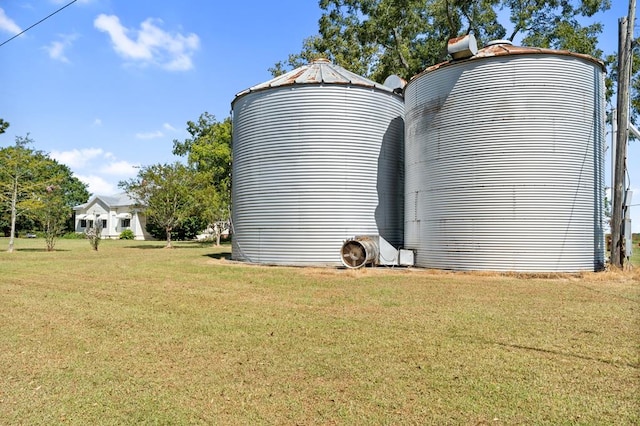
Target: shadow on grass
(39, 250)
(177, 245)
(566, 354)
(606, 293)
(147, 246)
(224, 255)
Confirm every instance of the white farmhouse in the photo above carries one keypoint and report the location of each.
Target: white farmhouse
(117, 213)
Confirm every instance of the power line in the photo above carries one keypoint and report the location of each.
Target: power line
(40, 21)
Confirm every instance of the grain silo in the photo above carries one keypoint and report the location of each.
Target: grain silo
(317, 160)
(504, 161)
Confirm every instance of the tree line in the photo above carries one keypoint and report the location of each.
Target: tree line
(197, 193)
(38, 193)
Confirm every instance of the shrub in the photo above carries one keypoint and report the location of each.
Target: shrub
(186, 231)
(93, 235)
(127, 234)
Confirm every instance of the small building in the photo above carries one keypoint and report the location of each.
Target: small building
(116, 213)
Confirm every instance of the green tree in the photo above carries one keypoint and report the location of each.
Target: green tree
(26, 196)
(208, 152)
(52, 214)
(24, 178)
(3, 126)
(186, 230)
(556, 23)
(72, 190)
(376, 38)
(167, 193)
(20, 183)
(635, 84)
(611, 62)
(53, 206)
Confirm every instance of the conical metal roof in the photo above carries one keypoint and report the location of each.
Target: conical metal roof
(320, 71)
(506, 48)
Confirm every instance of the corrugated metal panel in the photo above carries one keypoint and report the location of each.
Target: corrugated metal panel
(314, 165)
(320, 71)
(503, 159)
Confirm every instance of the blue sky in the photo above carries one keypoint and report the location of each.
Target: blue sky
(107, 85)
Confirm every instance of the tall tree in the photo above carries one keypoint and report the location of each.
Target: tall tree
(208, 152)
(634, 90)
(376, 38)
(19, 180)
(71, 189)
(52, 214)
(26, 181)
(555, 24)
(166, 192)
(635, 85)
(53, 206)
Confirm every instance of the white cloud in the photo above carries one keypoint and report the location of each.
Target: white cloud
(123, 45)
(56, 49)
(97, 122)
(100, 169)
(77, 158)
(98, 185)
(169, 127)
(150, 135)
(120, 168)
(150, 44)
(7, 24)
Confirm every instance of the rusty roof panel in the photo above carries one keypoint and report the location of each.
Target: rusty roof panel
(320, 71)
(506, 49)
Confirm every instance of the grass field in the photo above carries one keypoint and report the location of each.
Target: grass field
(635, 255)
(137, 334)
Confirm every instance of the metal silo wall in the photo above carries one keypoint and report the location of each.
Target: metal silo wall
(503, 160)
(314, 165)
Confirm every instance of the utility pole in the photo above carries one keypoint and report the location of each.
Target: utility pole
(625, 40)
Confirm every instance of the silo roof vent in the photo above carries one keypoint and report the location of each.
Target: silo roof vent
(495, 42)
(462, 47)
(395, 82)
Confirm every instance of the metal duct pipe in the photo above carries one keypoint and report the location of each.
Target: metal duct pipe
(360, 251)
(462, 47)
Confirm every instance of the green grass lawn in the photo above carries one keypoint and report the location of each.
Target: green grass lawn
(635, 253)
(138, 334)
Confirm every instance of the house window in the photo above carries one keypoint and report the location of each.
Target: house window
(104, 223)
(84, 223)
(126, 223)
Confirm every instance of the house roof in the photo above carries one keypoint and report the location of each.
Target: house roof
(118, 200)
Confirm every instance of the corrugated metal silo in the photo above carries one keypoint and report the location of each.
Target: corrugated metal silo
(504, 162)
(317, 159)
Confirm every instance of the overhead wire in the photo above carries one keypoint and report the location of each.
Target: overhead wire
(39, 22)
